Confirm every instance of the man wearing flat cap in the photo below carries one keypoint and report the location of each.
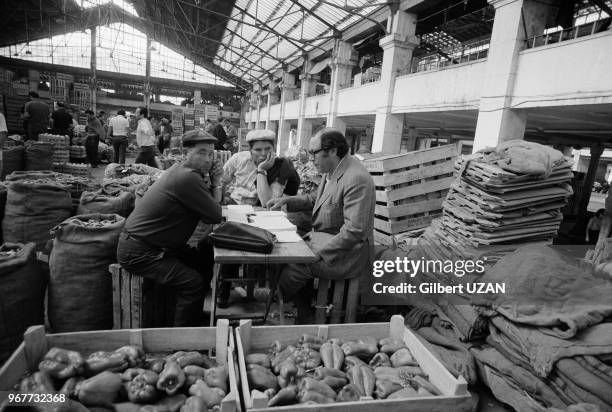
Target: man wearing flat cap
(154, 240)
(256, 177)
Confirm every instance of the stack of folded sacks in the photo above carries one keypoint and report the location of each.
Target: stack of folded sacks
(503, 196)
(550, 342)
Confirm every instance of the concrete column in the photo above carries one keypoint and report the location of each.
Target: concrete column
(92, 66)
(344, 58)
(269, 105)
(147, 82)
(258, 117)
(397, 54)
(515, 21)
(309, 83)
(284, 127)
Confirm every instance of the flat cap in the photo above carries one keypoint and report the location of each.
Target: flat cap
(197, 136)
(254, 135)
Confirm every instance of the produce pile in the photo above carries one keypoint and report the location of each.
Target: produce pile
(314, 371)
(128, 380)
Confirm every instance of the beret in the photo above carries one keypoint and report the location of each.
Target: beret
(197, 136)
(254, 135)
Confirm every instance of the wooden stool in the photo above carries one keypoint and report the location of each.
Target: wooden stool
(345, 294)
(139, 302)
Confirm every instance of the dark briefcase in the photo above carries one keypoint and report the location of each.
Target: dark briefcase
(240, 236)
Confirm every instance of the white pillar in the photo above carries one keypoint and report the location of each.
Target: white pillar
(284, 127)
(268, 109)
(515, 21)
(344, 58)
(397, 54)
(309, 83)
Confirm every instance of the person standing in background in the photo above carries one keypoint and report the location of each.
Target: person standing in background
(165, 134)
(594, 227)
(95, 132)
(118, 131)
(232, 135)
(36, 113)
(3, 130)
(61, 120)
(145, 138)
(219, 133)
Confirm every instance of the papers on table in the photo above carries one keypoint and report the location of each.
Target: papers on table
(273, 223)
(286, 236)
(270, 213)
(244, 209)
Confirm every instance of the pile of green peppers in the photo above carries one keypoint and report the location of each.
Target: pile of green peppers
(126, 380)
(317, 371)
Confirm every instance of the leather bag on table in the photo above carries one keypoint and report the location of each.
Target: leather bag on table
(240, 236)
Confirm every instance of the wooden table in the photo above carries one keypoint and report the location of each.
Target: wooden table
(283, 253)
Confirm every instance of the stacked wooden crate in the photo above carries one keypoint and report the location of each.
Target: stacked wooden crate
(410, 189)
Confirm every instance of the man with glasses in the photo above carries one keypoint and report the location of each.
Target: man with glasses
(342, 233)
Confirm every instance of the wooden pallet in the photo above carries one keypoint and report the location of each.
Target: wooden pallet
(36, 343)
(410, 188)
(250, 339)
(140, 302)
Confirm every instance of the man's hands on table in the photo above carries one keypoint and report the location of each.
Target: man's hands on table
(276, 203)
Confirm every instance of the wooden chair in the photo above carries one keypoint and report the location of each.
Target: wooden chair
(139, 302)
(337, 301)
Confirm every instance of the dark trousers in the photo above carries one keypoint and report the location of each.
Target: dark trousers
(91, 148)
(146, 156)
(119, 148)
(187, 272)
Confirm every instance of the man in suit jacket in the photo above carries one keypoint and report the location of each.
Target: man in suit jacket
(342, 220)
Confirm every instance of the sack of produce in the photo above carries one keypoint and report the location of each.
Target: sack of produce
(113, 201)
(32, 209)
(32, 175)
(39, 156)
(12, 159)
(3, 192)
(80, 287)
(22, 294)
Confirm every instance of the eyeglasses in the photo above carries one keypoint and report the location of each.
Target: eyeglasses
(314, 152)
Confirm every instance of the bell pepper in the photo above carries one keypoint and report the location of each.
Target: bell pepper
(155, 364)
(211, 396)
(275, 348)
(350, 361)
(308, 358)
(380, 359)
(193, 358)
(424, 392)
(62, 363)
(286, 396)
(403, 357)
(171, 379)
(134, 353)
(337, 341)
(310, 341)
(270, 392)
(403, 375)
(194, 404)
(332, 355)
(423, 383)
(385, 387)
(407, 392)
(363, 378)
(363, 348)
(349, 393)
(289, 352)
(388, 345)
(69, 387)
(217, 377)
(314, 396)
(169, 404)
(102, 361)
(131, 373)
(193, 373)
(142, 388)
(334, 378)
(38, 382)
(310, 384)
(258, 358)
(287, 373)
(261, 378)
(99, 390)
